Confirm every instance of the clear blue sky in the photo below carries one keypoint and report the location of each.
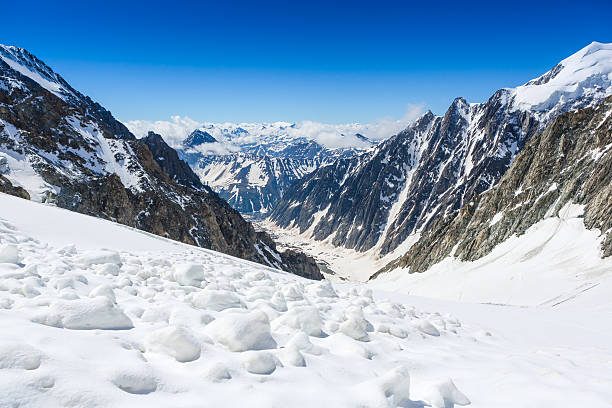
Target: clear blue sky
(292, 60)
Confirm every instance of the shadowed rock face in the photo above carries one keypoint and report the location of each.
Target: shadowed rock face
(197, 138)
(88, 162)
(167, 158)
(8, 188)
(569, 162)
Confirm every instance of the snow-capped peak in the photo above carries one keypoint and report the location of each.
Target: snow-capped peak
(585, 76)
(28, 65)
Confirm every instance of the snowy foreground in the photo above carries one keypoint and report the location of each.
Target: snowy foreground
(96, 314)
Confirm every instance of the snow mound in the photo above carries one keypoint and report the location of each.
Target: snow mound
(303, 318)
(259, 362)
(99, 257)
(9, 254)
(242, 331)
(445, 394)
(218, 372)
(81, 314)
(189, 274)
(290, 356)
(105, 291)
(174, 341)
(216, 300)
(20, 356)
(135, 383)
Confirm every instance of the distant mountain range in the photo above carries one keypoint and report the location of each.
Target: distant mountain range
(252, 170)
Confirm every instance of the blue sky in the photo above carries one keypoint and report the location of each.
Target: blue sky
(327, 61)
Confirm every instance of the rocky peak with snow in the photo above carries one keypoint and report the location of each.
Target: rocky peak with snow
(197, 138)
(28, 65)
(567, 167)
(251, 170)
(582, 79)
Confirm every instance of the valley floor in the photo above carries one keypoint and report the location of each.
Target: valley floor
(97, 314)
(338, 264)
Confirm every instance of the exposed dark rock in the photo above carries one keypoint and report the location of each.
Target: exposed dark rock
(7, 187)
(167, 158)
(198, 137)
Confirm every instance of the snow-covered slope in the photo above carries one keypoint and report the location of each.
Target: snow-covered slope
(557, 259)
(126, 319)
(577, 81)
(388, 196)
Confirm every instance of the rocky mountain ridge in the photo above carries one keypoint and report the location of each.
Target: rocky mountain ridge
(569, 163)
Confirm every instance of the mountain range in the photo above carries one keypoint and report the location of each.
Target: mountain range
(251, 169)
(412, 184)
(439, 188)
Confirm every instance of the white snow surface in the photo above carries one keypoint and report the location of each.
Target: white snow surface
(555, 260)
(93, 313)
(585, 74)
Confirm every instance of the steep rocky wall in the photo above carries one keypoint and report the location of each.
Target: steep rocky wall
(570, 161)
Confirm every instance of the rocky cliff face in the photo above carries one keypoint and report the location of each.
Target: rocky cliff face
(58, 146)
(168, 159)
(570, 162)
(438, 164)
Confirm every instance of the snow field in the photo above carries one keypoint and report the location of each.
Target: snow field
(122, 318)
(101, 327)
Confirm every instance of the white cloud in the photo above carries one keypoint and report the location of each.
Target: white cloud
(327, 135)
(173, 131)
